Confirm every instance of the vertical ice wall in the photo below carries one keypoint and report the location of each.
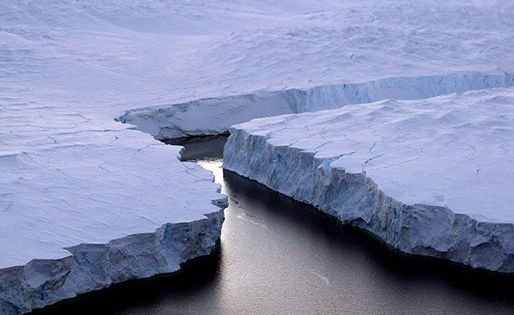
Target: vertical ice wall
(431, 177)
(216, 115)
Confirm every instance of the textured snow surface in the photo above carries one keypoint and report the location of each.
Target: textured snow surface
(117, 55)
(69, 174)
(326, 44)
(92, 186)
(86, 202)
(431, 177)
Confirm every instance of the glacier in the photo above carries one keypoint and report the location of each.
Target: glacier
(432, 177)
(76, 184)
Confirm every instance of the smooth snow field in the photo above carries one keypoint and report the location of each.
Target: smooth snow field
(73, 72)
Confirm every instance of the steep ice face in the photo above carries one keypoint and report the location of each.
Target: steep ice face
(95, 266)
(431, 177)
(86, 202)
(216, 115)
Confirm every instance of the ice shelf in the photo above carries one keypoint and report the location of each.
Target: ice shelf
(431, 177)
(208, 116)
(84, 205)
(75, 184)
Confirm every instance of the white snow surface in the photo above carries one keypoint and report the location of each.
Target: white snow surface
(113, 55)
(64, 185)
(68, 68)
(453, 151)
(438, 161)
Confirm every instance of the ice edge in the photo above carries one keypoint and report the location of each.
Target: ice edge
(96, 266)
(355, 199)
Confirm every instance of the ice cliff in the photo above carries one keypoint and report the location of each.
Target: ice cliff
(85, 205)
(431, 177)
(92, 267)
(216, 115)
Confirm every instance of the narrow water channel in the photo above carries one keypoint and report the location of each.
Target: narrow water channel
(278, 256)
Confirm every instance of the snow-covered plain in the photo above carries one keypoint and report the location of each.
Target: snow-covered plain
(432, 177)
(70, 174)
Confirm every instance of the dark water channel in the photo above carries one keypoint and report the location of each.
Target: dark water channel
(278, 256)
